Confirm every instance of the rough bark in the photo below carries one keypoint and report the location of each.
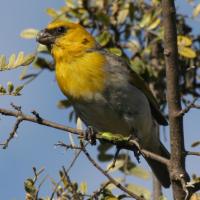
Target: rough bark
(177, 163)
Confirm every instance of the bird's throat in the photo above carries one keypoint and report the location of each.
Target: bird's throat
(83, 76)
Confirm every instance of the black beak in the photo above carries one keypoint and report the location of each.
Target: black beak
(45, 38)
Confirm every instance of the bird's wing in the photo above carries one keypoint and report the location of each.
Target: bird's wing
(139, 83)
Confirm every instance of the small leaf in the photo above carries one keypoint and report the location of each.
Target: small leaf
(29, 33)
(139, 172)
(154, 24)
(2, 62)
(28, 59)
(51, 12)
(10, 87)
(19, 59)
(145, 20)
(122, 15)
(184, 40)
(140, 191)
(112, 186)
(195, 144)
(115, 51)
(18, 90)
(104, 38)
(196, 10)
(11, 61)
(83, 187)
(111, 198)
(105, 157)
(29, 186)
(187, 52)
(2, 90)
(64, 179)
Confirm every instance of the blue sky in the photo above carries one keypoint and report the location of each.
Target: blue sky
(34, 144)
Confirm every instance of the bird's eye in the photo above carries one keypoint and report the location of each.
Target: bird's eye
(61, 29)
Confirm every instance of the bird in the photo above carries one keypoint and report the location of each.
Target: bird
(104, 91)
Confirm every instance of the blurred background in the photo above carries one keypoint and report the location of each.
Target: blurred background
(34, 144)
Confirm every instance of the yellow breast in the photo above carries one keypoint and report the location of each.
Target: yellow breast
(81, 76)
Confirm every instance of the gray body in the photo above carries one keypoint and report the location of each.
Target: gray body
(124, 109)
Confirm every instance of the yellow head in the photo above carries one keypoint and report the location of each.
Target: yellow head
(70, 37)
(79, 72)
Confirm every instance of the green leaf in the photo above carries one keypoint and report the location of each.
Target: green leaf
(195, 144)
(140, 191)
(154, 24)
(83, 187)
(187, 52)
(2, 61)
(10, 87)
(105, 157)
(111, 186)
(29, 186)
(196, 10)
(104, 38)
(18, 90)
(184, 40)
(145, 20)
(115, 51)
(19, 59)
(51, 12)
(29, 33)
(28, 59)
(122, 15)
(11, 61)
(2, 90)
(139, 172)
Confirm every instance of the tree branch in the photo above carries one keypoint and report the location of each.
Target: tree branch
(117, 184)
(122, 142)
(177, 164)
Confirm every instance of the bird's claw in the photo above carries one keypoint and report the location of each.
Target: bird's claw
(90, 135)
(137, 149)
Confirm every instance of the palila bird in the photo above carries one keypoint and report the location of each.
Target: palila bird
(105, 93)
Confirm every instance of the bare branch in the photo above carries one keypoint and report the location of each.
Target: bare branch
(189, 107)
(177, 163)
(12, 133)
(117, 184)
(122, 142)
(99, 191)
(192, 153)
(76, 195)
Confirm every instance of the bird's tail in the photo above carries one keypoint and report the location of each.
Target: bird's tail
(159, 169)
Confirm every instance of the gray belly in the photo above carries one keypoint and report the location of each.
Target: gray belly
(102, 117)
(120, 111)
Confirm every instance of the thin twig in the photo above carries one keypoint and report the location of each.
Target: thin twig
(12, 133)
(192, 153)
(117, 184)
(67, 146)
(99, 191)
(74, 191)
(189, 107)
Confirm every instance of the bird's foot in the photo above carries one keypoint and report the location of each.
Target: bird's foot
(115, 158)
(137, 149)
(90, 135)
